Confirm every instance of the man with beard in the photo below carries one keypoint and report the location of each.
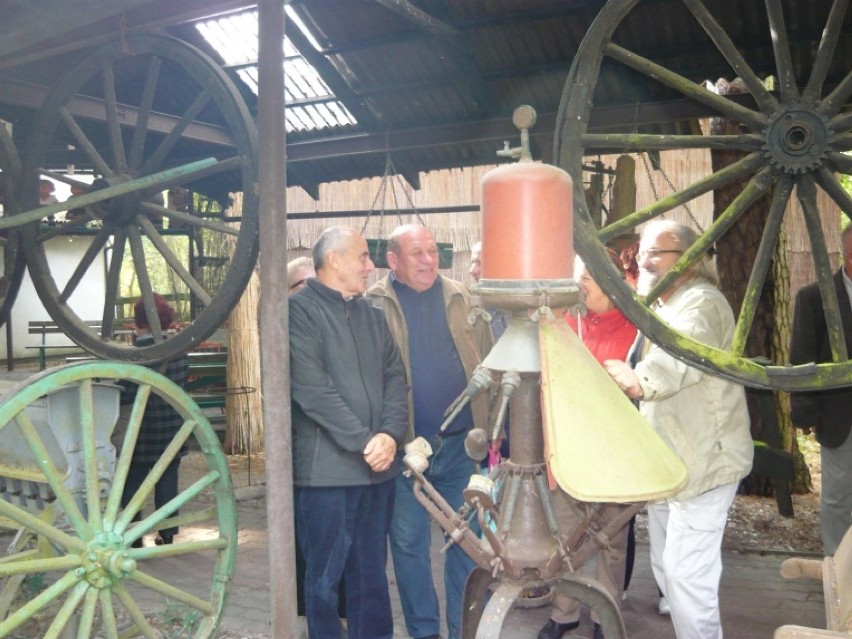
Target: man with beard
(702, 418)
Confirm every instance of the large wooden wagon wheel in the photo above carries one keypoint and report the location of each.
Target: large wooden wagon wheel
(10, 241)
(794, 141)
(161, 115)
(85, 559)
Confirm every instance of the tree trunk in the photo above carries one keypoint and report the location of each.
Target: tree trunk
(243, 410)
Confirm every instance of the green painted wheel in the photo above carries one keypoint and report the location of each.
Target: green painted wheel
(789, 146)
(162, 117)
(56, 434)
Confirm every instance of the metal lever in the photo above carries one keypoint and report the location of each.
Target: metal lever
(509, 384)
(479, 381)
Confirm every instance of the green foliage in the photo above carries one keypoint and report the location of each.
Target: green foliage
(33, 584)
(846, 181)
(204, 253)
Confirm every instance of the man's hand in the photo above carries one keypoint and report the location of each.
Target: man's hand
(380, 452)
(625, 377)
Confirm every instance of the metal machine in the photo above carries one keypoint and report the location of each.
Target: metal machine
(569, 423)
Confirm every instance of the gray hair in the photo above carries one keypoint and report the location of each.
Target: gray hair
(331, 239)
(295, 266)
(685, 237)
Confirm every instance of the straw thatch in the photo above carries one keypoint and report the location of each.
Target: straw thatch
(460, 187)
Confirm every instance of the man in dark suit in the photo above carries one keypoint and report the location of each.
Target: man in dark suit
(828, 413)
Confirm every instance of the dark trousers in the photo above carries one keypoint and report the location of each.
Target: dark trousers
(164, 490)
(345, 530)
(300, 585)
(631, 552)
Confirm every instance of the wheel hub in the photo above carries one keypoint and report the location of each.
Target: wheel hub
(797, 140)
(106, 561)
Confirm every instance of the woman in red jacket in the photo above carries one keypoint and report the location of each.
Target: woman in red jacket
(608, 334)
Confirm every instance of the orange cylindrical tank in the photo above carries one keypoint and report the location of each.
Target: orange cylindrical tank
(527, 231)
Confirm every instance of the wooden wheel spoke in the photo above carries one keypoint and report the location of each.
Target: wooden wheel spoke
(632, 142)
(762, 263)
(41, 600)
(135, 612)
(843, 141)
(191, 219)
(754, 120)
(39, 526)
(90, 454)
(835, 190)
(195, 171)
(60, 621)
(108, 614)
(83, 140)
(92, 252)
(155, 519)
(137, 145)
(835, 101)
(806, 192)
(54, 477)
(825, 53)
(172, 259)
(765, 100)
(125, 457)
(87, 616)
(842, 162)
(113, 281)
(781, 45)
(136, 502)
(157, 585)
(29, 565)
(755, 188)
(738, 169)
(145, 286)
(175, 134)
(113, 125)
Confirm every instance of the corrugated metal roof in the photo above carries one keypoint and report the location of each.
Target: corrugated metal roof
(235, 39)
(435, 81)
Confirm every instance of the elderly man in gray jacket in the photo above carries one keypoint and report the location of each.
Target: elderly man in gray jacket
(703, 418)
(350, 413)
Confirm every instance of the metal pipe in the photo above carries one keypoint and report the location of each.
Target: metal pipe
(526, 437)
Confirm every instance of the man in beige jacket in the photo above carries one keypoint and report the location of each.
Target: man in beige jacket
(703, 418)
(428, 317)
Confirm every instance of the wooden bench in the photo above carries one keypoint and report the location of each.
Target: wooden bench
(835, 572)
(44, 328)
(207, 385)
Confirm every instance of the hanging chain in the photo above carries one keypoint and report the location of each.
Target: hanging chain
(607, 194)
(397, 179)
(685, 207)
(393, 178)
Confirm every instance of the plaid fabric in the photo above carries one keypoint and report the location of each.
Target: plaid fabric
(161, 422)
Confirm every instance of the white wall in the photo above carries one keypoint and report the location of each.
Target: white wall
(64, 254)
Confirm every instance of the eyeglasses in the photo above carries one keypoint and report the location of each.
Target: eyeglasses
(654, 253)
(299, 284)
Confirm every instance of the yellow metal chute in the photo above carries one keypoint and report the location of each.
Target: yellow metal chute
(597, 445)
